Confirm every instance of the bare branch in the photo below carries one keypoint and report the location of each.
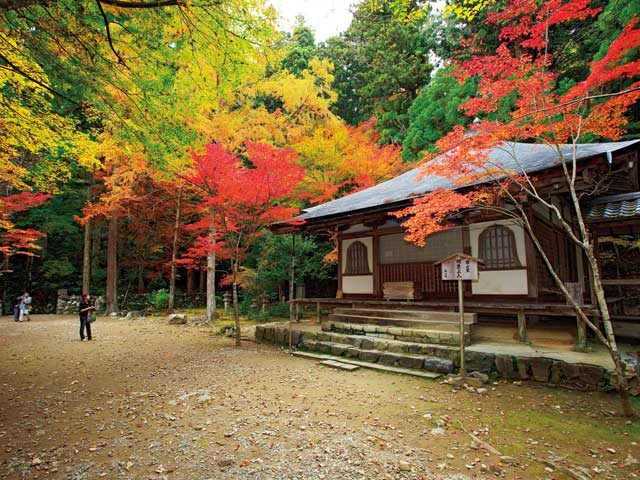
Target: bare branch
(109, 39)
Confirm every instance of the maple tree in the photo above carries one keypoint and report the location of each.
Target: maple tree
(239, 200)
(522, 67)
(13, 240)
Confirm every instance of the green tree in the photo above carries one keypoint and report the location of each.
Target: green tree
(435, 112)
(382, 60)
(300, 50)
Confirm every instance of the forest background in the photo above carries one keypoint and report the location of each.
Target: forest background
(110, 112)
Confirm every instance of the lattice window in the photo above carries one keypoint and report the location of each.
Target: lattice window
(498, 248)
(357, 261)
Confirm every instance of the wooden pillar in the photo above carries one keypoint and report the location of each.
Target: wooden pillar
(581, 337)
(318, 316)
(522, 327)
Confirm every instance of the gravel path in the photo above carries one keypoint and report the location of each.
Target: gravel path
(148, 400)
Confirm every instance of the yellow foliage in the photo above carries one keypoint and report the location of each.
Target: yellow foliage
(466, 10)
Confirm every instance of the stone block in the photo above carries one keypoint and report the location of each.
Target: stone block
(438, 365)
(310, 344)
(324, 337)
(338, 350)
(473, 382)
(592, 376)
(259, 332)
(380, 344)
(505, 367)
(177, 319)
(296, 335)
(396, 332)
(541, 368)
(369, 328)
(414, 348)
(483, 377)
(324, 347)
(310, 335)
(268, 333)
(396, 347)
(556, 373)
(479, 361)
(352, 352)
(523, 368)
(369, 356)
(366, 344)
(388, 358)
(410, 362)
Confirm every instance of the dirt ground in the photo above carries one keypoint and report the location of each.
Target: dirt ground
(148, 400)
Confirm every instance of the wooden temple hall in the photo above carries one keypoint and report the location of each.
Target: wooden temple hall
(380, 275)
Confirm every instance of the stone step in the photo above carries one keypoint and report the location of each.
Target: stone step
(426, 315)
(441, 337)
(345, 352)
(400, 322)
(372, 366)
(340, 365)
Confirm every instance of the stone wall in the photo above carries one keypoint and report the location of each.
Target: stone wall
(548, 371)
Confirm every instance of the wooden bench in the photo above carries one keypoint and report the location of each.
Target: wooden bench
(400, 291)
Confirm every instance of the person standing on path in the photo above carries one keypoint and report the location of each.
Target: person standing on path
(85, 309)
(23, 307)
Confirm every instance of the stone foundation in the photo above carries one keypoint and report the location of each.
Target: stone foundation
(548, 371)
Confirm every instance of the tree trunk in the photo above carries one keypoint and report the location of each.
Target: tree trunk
(140, 275)
(623, 386)
(202, 283)
(112, 267)
(292, 271)
(86, 258)
(211, 276)
(172, 277)
(96, 248)
(608, 338)
(236, 312)
(190, 281)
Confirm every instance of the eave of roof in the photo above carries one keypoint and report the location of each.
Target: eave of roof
(402, 189)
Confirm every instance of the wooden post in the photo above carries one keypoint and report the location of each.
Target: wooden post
(581, 340)
(522, 327)
(463, 369)
(318, 317)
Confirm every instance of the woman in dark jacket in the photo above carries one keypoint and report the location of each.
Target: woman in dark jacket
(85, 309)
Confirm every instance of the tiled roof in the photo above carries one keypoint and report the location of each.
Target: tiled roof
(613, 207)
(509, 155)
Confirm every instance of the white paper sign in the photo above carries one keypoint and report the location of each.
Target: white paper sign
(460, 268)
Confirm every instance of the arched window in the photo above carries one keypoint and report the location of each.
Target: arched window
(357, 261)
(498, 248)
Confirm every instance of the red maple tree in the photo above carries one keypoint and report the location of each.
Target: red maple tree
(522, 67)
(239, 198)
(18, 241)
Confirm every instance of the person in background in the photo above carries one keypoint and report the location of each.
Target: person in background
(23, 307)
(85, 309)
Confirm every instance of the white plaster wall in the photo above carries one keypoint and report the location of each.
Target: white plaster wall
(357, 228)
(357, 284)
(500, 282)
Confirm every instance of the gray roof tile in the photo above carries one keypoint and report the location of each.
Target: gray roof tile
(533, 157)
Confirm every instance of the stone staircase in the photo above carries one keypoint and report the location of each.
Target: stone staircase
(382, 351)
(414, 326)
